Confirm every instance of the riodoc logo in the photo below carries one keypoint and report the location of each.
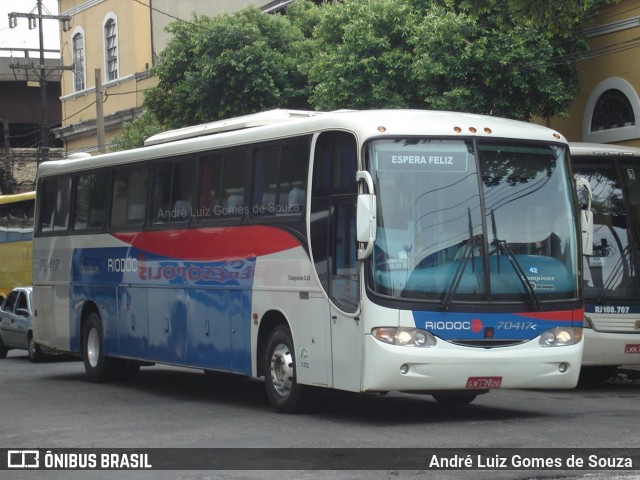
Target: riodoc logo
(23, 459)
(474, 325)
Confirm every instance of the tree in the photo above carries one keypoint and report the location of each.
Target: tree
(230, 65)
(135, 132)
(442, 55)
(512, 58)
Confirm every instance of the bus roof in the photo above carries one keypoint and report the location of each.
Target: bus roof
(277, 124)
(602, 149)
(228, 125)
(18, 197)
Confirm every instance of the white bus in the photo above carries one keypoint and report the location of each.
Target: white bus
(612, 289)
(367, 251)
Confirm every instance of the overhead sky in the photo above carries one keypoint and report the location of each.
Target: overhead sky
(20, 37)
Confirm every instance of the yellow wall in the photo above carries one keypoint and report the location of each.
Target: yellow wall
(134, 58)
(610, 59)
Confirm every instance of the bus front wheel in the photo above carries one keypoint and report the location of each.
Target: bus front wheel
(97, 367)
(455, 399)
(283, 390)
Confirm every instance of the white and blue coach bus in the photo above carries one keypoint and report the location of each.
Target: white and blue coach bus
(365, 251)
(612, 280)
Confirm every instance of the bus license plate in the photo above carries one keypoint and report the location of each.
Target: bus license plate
(632, 348)
(484, 382)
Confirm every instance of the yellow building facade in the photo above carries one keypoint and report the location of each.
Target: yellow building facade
(607, 109)
(114, 44)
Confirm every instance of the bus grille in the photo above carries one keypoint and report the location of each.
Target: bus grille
(487, 343)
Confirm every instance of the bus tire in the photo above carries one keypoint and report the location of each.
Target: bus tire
(3, 349)
(35, 353)
(455, 399)
(596, 376)
(283, 391)
(97, 367)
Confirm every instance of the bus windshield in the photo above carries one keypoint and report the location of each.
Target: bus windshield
(611, 272)
(464, 221)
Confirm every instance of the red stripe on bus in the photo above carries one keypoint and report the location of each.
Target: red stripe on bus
(577, 314)
(211, 244)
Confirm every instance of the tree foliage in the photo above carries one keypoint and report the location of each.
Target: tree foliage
(229, 65)
(427, 54)
(512, 58)
(135, 132)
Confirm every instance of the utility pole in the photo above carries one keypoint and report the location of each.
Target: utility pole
(100, 112)
(36, 20)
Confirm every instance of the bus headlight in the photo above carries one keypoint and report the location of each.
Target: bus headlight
(406, 337)
(560, 336)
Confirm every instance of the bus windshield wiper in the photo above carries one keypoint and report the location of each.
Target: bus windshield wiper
(617, 273)
(504, 246)
(457, 276)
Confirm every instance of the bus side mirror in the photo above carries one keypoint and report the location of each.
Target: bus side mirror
(366, 223)
(586, 218)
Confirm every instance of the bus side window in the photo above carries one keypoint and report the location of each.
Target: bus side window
(91, 196)
(223, 178)
(280, 178)
(54, 204)
(173, 191)
(129, 197)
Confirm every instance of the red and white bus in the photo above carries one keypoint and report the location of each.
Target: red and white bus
(365, 251)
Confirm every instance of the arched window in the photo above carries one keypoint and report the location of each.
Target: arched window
(78, 62)
(611, 113)
(111, 49)
(613, 110)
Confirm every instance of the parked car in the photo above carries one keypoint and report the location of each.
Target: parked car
(16, 330)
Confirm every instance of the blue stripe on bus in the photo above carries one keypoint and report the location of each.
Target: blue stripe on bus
(167, 310)
(498, 326)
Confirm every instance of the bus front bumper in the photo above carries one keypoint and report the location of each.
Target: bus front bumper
(601, 349)
(452, 367)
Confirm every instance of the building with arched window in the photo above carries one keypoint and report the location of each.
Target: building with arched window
(607, 110)
(114, 44)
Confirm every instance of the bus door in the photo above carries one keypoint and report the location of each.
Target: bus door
(346, 329)
(334, 249)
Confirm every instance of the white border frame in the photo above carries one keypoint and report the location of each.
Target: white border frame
(76, 31)
(613, 134)
(107, 17)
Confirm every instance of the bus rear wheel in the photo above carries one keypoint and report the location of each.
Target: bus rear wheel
(97, 367)
(3, 350)
(35, 353)
(283, 390)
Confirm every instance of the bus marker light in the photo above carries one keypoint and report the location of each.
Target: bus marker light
(382, 129)
(487, 130)
(473, 129)
(457, 129)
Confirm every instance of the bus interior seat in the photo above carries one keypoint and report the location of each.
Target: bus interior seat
(234, 200)
(269, 196)
(181, 206)
(135, 213)
(297, 198)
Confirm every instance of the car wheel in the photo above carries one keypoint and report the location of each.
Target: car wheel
(283, 391)
(35, 353)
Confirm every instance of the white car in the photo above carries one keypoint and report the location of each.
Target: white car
(16, 330)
